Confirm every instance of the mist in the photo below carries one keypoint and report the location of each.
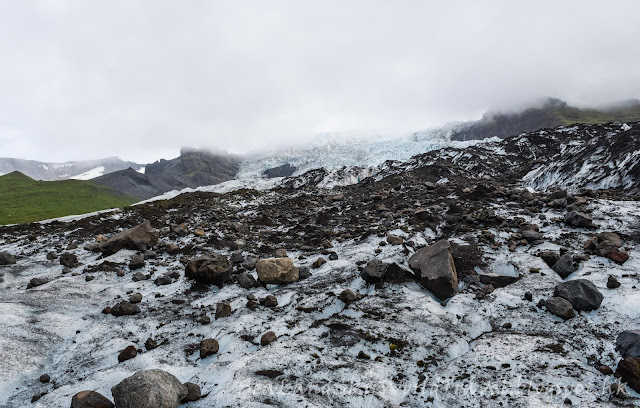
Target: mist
(141, 79)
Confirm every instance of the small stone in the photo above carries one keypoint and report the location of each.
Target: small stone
(135, 298)
(136, 262)
(268, 338)
(270, 301)
(612, 282)
(529, 296)
(45, 378)
(193, 392)
(223, 309)
(348, 296)
(606, 370)
(90, 399)
(150, 344)
(208, 347)
(127, 354)
(618, 256)
(318, 263)
(125, 309)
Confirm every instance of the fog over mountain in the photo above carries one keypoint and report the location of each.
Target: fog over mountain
(139, 79)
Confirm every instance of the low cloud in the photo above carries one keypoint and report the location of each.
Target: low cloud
(140, 79)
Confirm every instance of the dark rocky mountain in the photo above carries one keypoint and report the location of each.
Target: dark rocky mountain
(84, 170)
(193, 168)
(550, 114)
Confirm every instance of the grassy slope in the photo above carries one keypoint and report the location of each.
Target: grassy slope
(569, 115)
(23, 199)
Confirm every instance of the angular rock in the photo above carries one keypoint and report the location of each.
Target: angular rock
(498, 281)
(434, 265)
(578, 219)
(138, 238)
(149, 389)
(135, 298)
(628, 343)
(549, 257)
(374, 271)
(35, 282)
(564, 267)
(212, 270)
(193, 392)
(394, 239)
(246, 280)
(629, 372)
(208, 347)
(319, 262)
(270, 301)
(612, 282)
(560, 307)
(268, 338)
(127, 354)
(69, 260)
(581, 293)
(162, 280)
(348, 296)
(618, 256)
(125, 309)
(7, 259)
(90, 399)
(223, 309)
(136, 262)
(277, 270)
(150, 344)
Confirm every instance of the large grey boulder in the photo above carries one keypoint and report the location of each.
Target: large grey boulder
(149, 389)
(7, 259)
(628, 343)
(581, 293)
(277, 270)
(138, 238)
(435, 268)
(213, 270)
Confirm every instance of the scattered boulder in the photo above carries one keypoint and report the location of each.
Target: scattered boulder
(7, 259)
(135, 298)
(212, 270)
(44, 378)
(162, 280)
(208, 347)
(149, 389)
(394, 239)
(69, 260)
(318, 263)
(549, 257)
(193, 392)
(150, 344)
(127, 354)
(223, 309)
(125, 309)
(374, 271)
(270, 301)
(277, 270)
(35, 282)
(618, 256)
(268, 338)
(246, 280)
(434, 265)
(138, 238)
(136, 262)
(629, 372)
(560, 307)
(612, 282)
(90, 399)
(581, 293)
(348, 296)
(578, 219)
(564, 267)
(628, 343)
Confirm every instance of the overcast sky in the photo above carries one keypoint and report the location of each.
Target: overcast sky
(138, 79)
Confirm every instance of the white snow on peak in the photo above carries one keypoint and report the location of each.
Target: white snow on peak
(91, 174)
(142, 169)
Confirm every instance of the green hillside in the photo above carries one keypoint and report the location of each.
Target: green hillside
(23, 199)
